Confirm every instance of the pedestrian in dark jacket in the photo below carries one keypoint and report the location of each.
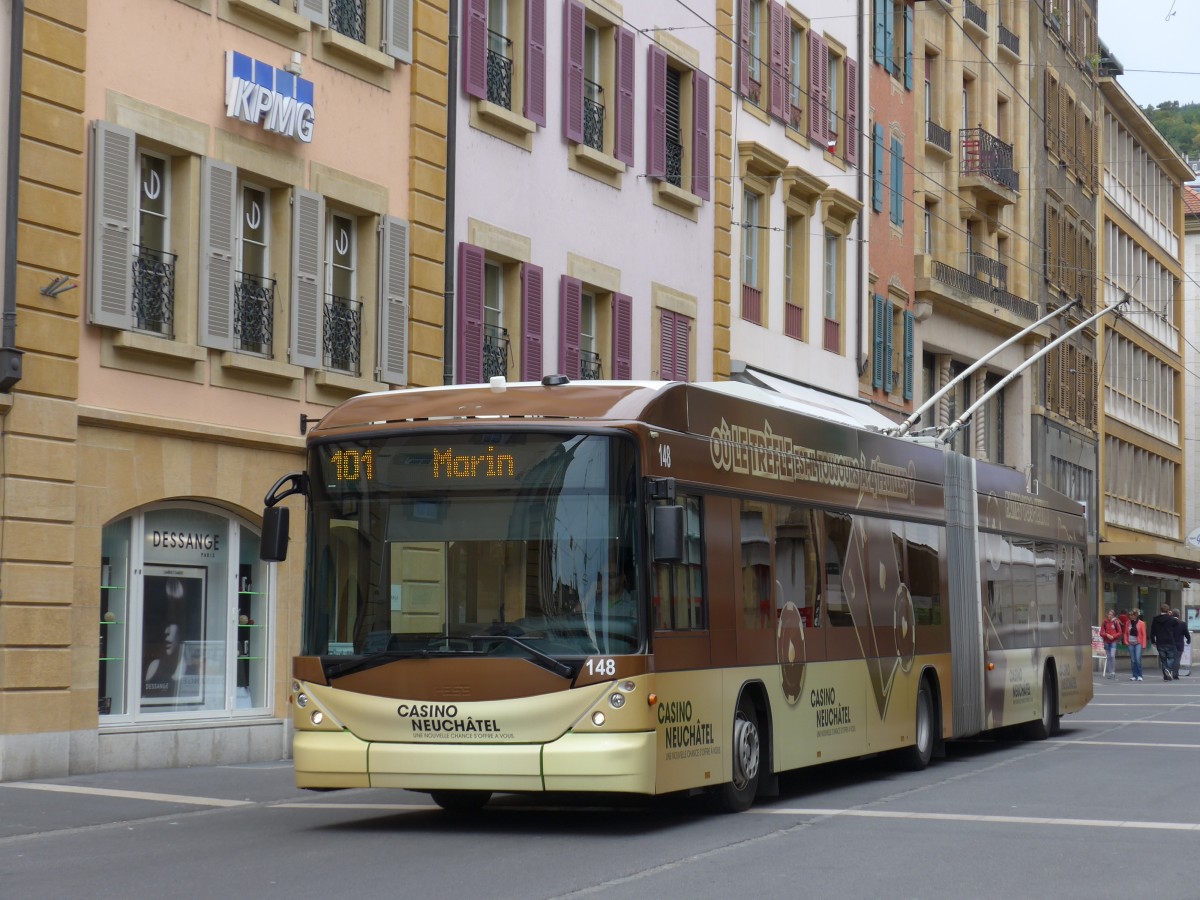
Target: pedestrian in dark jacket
(1162, 636)
(1182, 636)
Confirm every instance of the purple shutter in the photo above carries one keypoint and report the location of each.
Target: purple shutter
(852, 136)
(816, 109)
(780, 105)
(656, 113)
(535, 61)
(622, 338)
(474, 48)
(531, 322)
(623, 129)
(570, 298)
(666, 346)
(683, 328)
(470, 314)
(744, 48)
(700, 149)
(573, 28)
(824, 66)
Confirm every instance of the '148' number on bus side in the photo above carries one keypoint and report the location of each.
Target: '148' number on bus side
(602, 666)
(664, 455)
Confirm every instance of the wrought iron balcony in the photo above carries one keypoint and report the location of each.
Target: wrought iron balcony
(253, 313)
(593, 115)
(153, 290)
(349, 17)
(499, 70)
(343, 334)
(590, 367)
(495, 351)
(985, 155)
(751, 304)
(674, 163)
(1008, 40)
(984, 267)
(975, 15)
(970, 285)
(937, 135)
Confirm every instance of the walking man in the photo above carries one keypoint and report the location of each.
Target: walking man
(1162, 636)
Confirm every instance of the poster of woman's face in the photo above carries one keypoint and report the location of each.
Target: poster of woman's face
(172, 624)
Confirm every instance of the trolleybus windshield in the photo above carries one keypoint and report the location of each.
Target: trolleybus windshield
(426, 544)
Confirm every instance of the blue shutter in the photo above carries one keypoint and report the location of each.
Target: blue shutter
(877, 168)
(877, 379)
(908, 48)
(889, 47)
(888, 376)
(880, 34)
(908, 355)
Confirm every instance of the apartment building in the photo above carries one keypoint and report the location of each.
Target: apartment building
(1144, 555)
(240, 173)
(1191, 365)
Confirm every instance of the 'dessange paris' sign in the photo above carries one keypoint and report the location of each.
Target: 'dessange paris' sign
(260, 94)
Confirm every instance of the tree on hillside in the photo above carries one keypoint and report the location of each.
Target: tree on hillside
(1179, 124)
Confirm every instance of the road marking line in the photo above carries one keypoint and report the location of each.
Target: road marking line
(126, 795)
(300, 804)
(964, 817)
(1139, 722)
(1071, 743)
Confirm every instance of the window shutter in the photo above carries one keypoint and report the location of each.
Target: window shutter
(877, 342)
(897, 181)
(666, 345)
(656, 113)
(308, 282)
(780, 105)
(535, 61)
(909, 323)
(393, 302)
(744, 49)
(889, 347)
(531, 322)
(474, 48)
(114, 202)
(623, 129)
(316, 10)
(1050, 120)
(877, 168)
(397, 29)
(570, 295)
(683, 363)
(218, 249)
(908, 48)
(700, 135)
(573, 32)
(880, 32)
(622, 338)
(816, 105)
(889, 36)
(852, 135)
(470, 314)
(1051, 244)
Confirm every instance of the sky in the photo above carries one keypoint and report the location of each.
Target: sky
(1156, 41)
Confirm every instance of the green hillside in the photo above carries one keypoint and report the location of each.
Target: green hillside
(1179, 124)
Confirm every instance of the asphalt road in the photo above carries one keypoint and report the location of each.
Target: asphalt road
(1108, 808)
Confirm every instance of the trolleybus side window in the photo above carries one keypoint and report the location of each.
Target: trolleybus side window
(837, 527)
(678, 587)
(796, 563)
(758, 534)
(924, 571)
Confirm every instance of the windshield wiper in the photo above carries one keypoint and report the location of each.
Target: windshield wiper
(544, 660)
(372, 660)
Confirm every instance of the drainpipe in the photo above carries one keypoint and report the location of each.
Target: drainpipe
(863, 70)
(10, 356)
(448, 330)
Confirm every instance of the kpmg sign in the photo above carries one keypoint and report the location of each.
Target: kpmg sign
(263, 95)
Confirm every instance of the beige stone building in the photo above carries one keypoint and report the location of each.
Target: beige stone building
(222, 232)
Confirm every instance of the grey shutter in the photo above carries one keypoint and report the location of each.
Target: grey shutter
(308, 282)
(316, 10)
(114, 204)
(218, 252)
(397, 29)
(393, 302)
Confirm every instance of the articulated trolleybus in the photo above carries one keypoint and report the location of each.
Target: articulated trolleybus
(647, 588)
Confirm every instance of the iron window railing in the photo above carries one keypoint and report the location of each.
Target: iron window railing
(499, 70)
(980, 266)
(937, 135)
(751, 304)
(343, 333)
(253, 313)
(593, 115)
(349, 17)
(974, 14)
(976, 287)
(1008, 40)
(495, 351)
(986, 155)
(590, 367)
(154, 290)
(674, 163)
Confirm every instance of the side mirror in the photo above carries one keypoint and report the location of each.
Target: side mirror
(668, 533)
(274, 542)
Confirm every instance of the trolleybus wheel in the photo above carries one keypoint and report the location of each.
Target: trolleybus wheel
(916, 757)
(737, 794)
(461, 801)
(1047, 725)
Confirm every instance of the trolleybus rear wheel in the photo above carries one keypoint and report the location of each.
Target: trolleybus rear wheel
(1047, 725)
(916, 757)
(461, 801)
(737, 794)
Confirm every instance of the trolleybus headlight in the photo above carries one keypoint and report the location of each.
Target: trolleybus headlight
(617, 701)
(302, 700)
(598, 718)
(317, 717)
(627, 686)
